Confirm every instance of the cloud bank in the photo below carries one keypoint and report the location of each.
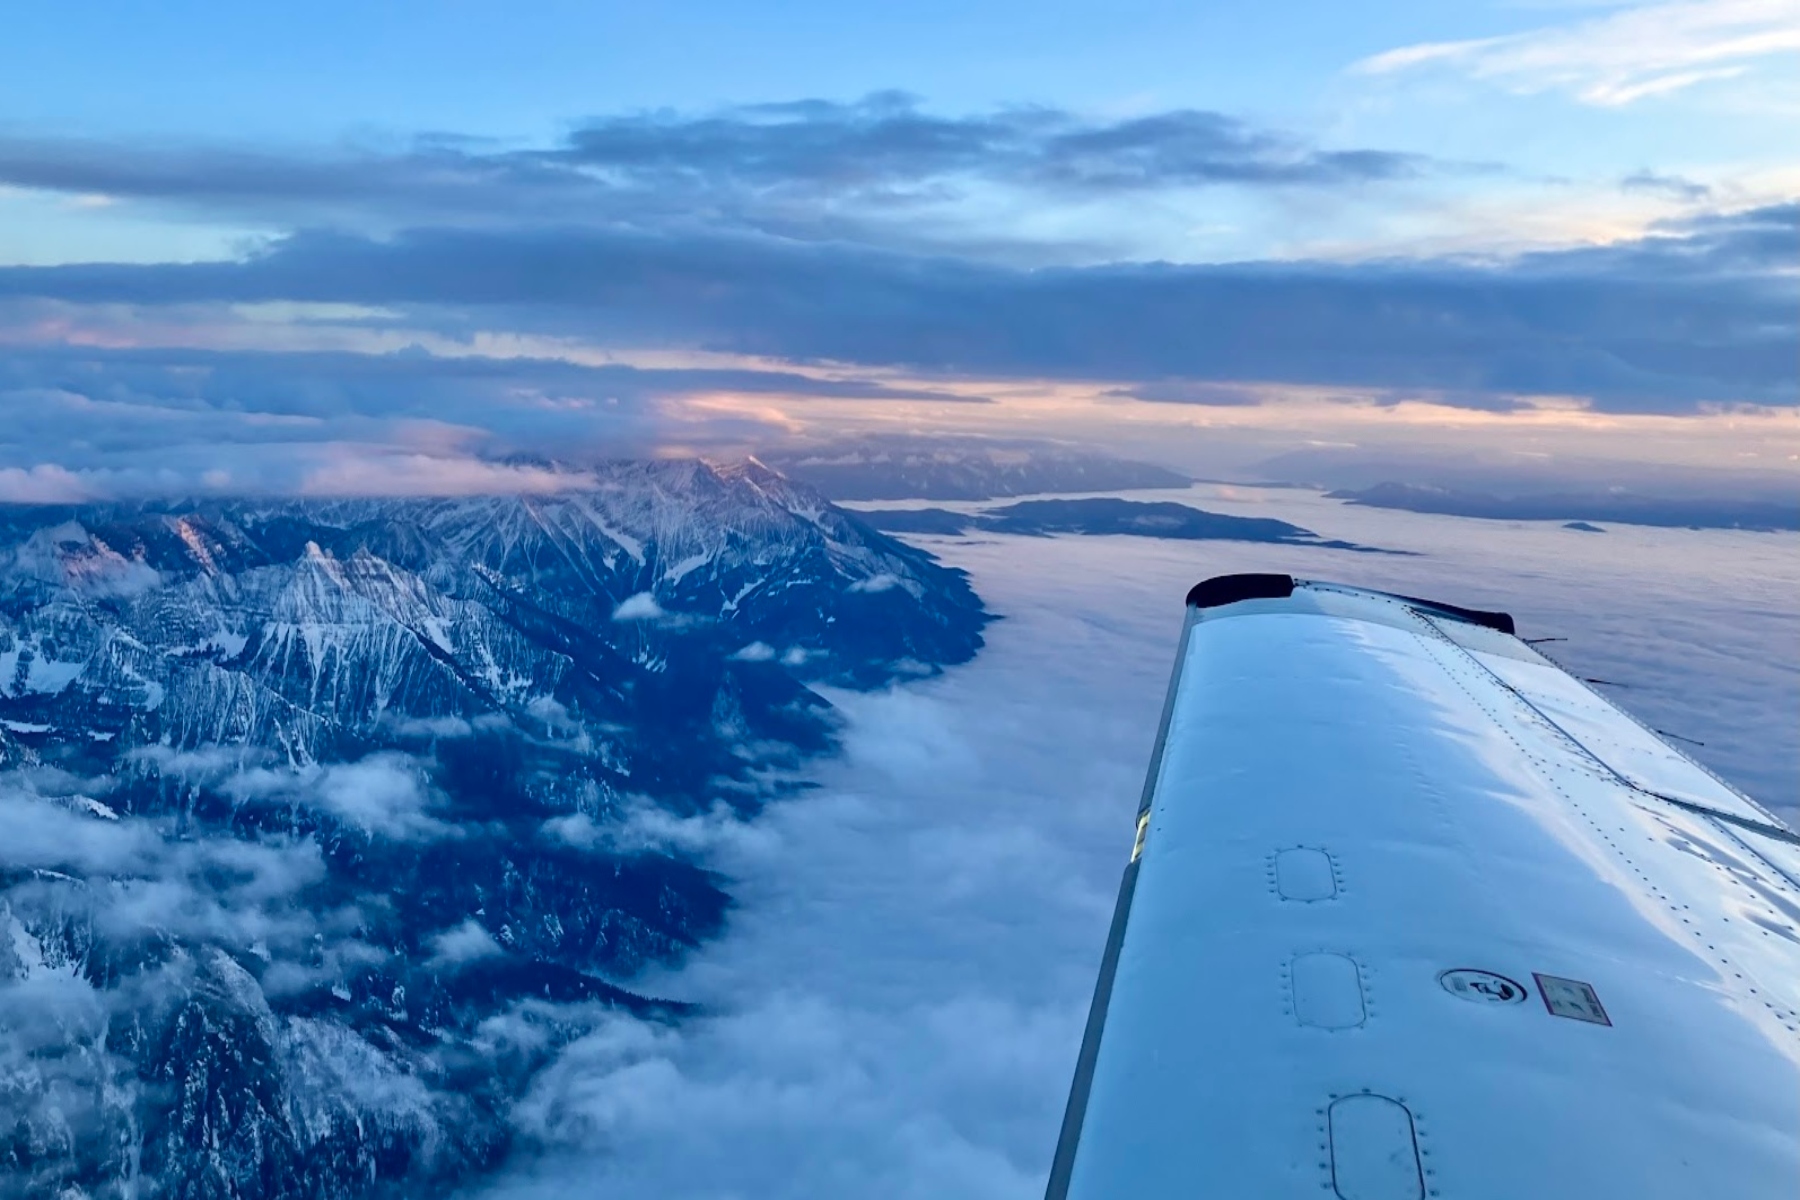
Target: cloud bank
(895, 1009)
(1692, 318)
(745, 249)
(130, 421)
(779, 168)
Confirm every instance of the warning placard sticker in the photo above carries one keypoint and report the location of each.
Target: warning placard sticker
(1571, 998)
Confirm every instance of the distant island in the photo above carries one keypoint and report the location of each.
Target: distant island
(910, 467)
(1582, 527)
(1103, 515)
(1582, 508)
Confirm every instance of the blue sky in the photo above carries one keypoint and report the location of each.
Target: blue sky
(1558, 105)
(1585, 208)
(513, 71)
(507, 70)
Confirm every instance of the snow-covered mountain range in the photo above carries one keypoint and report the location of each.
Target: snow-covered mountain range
(324, 824)
(927, 467)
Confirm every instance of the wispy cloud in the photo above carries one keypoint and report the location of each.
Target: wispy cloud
(1657, 183)
(378, 471)
(1621, 57)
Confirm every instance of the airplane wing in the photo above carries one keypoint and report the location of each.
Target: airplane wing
(1413, 913)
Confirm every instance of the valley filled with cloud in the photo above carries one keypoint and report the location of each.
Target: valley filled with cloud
(585, 589)
(896, 1007)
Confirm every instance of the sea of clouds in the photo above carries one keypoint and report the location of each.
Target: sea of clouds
(896, 1008)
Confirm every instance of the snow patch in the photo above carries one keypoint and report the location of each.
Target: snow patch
(49, 676)
(89, 804)
(685, 567)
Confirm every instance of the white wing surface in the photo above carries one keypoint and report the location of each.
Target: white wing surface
(1413, 913)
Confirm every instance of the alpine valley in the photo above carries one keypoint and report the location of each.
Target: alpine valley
(324, 824)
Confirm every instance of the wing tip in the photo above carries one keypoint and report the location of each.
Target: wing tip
(1229, 589)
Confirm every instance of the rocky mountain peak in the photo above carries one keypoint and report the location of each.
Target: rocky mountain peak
(305, 793)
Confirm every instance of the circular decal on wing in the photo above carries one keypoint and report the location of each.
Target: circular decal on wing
(1483, 987)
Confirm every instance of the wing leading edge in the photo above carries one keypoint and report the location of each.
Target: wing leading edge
(1412, 913)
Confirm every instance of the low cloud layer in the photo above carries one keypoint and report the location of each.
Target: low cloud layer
(121, 932)
(85, 422)
(895, 1009)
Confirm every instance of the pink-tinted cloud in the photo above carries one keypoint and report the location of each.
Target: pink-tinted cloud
(45, 483)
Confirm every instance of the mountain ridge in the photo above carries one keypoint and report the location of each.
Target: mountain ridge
(307, 792)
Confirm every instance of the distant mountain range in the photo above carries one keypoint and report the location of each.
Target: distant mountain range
(1627, 508)
(917, 467)
(323, 825)
(1102, 515)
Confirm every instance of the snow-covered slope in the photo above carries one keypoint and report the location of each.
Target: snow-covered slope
(322, 824)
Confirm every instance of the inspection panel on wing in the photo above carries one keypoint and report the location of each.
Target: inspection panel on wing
(1413, 913)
